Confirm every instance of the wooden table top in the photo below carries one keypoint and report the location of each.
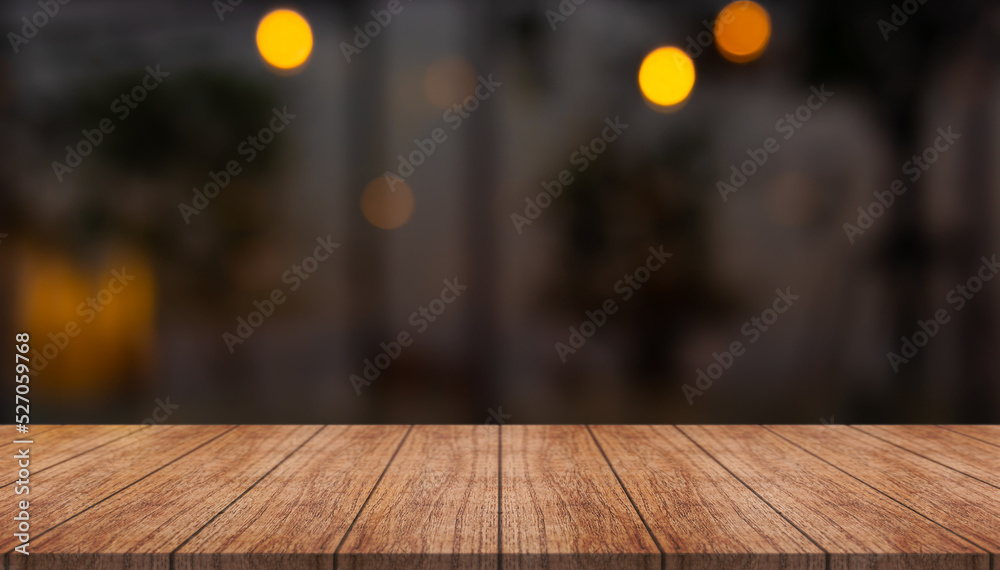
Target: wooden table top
(517, 496)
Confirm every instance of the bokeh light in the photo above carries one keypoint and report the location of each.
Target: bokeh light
(666, 76)
(284, 39)
(742, 31)
(449, 80)
(387, 203)
(58, 295)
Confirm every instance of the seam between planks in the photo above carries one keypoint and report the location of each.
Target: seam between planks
(879, 491)
(663, 561)
(908, 450)
(81, 453)
(50, 428)
(967, 435)
(60, 523)
(370, 493)
(500, 497)
(826, 554)
(245, 491)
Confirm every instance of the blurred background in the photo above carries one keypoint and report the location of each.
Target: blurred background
(180, 88)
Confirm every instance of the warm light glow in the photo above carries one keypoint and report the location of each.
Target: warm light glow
(387, 204)
(89, 341)
(666, 76)
(742, 31)
(448, 81)
(284, 39)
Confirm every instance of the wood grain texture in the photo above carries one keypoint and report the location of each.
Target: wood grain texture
(53, 446)
(297, 515)
(141, 525)
(989, 434)
(970, 456)
(435, 507)
(966, 506)
(8, 448)
(702, 516)
(562, 506)
(858, 526)
(691, 497)
(33, 430)
(70, 487)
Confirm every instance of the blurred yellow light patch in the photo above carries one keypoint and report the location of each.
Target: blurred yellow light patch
(387, 204)
(90, 338)
(666, 76)
(284, 39)
(742, 31)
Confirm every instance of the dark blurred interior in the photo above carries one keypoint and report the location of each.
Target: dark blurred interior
(542, 87)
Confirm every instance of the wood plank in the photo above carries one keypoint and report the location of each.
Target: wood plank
(33, 430)
(297, 515)
(694, 497)
(70, 487)
(140, 526)
(435, 507)
(562, 506)
(970, 456)
(8, 447)
(989, 434)
(858, 526)
(702, 516)
(59, 444)
(956, 501)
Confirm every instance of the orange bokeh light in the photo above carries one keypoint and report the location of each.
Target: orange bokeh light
(742, 31)
(387, 203)
(448, 81)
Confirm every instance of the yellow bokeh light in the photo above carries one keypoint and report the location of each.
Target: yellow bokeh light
(284, 39)
(666, 76)
(742, 31)
(387, 202)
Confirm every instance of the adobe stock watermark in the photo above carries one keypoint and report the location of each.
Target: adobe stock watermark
(563, 11)
(87, 310)
(626, 287)
(293, 277)
(223, 7)
(31, 25)
(3, 237)
(786, 126)
(248, 149)
(122, 107)
(900, 15)
(497, 416)
(581, 159)
(363, 35)
(958, 297)
(420, 320)
(161, 412)
(752, 330)
(455, 118)
(915, 167)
